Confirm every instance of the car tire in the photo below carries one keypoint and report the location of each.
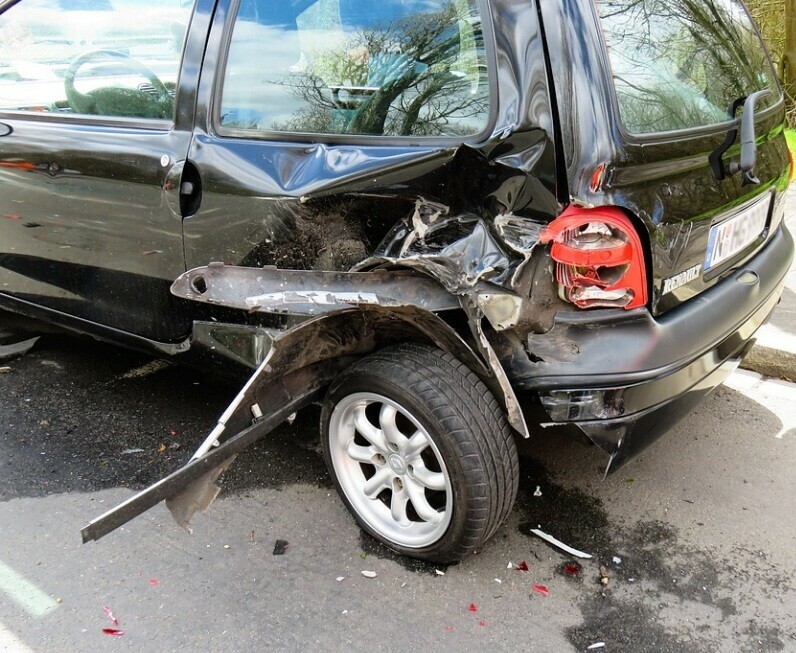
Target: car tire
(420, 452)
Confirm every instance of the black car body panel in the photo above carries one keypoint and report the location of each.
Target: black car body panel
(100, 215)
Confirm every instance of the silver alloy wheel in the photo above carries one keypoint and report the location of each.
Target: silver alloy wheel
(391, 471)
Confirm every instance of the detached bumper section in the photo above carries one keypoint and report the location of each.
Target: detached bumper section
(626, 378)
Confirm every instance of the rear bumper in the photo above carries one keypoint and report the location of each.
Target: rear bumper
(626, 377)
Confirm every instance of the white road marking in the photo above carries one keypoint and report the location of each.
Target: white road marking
(775, 396)
(11, 643)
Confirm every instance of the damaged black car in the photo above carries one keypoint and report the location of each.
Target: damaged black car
(453, 223)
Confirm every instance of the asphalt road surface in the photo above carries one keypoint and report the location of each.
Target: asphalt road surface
(696, 537)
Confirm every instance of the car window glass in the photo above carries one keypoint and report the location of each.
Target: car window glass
(386, 67)
(95, 57)
(679, 64)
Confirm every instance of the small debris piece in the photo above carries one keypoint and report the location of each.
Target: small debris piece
(291, 418)
(226, 546)
(629, 481)
(595, 646)
(617, 560)
(448, 629)
(603, 575)
(542, 589)
(369, 574)
(111, 616)
(631, 580)
(510, 565)
(340, 579)
(251, 536)
(472, 607)
(115, 632)
(154, 582)
(17, 349)
(498, 581)
(344, 612)
(550, 539)
(439, 573)
(523, 566)
(5, 369)
(537, 492)
(127, 452)
(161, 448)
(482, 624)
(173, 432)
(572, 569)
(59, 600)
(280, 546)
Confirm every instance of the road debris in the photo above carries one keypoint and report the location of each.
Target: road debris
(251, 536)
(280, 546)
(558, 543)
(538, 491)
(439, 573)
(572, 569)
(617, 560)
(340, 579)
(472, 607)
(523, 566)
(115, 632)
(111, 616)
(448, 629)
(5, 369)
(161, 448)
(595, 646)
(369, 574)
(603, 575)
(8, 352)
(154, 582)
(498, 581)
(541, 589)
(127, 452)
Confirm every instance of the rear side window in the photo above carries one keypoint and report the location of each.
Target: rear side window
(680, 64)
(379, 67)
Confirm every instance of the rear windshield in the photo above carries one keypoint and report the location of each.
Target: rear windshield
(679, 64)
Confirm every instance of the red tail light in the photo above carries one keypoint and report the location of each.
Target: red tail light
(599, 258)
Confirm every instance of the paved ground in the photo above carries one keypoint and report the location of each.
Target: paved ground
(702, 523)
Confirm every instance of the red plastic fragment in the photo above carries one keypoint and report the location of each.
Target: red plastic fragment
(154, 582)
(541, 589)
(473, 607)
(173, 432)
(111, 616)
(482, 624)
(448, 629)
(115, 632)
(523, 566)
(572, 569)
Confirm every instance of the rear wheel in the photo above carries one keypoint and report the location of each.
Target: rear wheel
(420, 452)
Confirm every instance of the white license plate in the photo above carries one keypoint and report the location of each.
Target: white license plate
(733, 235)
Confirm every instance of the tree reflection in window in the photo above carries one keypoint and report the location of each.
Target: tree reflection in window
(397, 67)
(679, 64)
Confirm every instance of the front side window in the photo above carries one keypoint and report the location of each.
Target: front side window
(92, 57)
(680, 64)
(379, 67)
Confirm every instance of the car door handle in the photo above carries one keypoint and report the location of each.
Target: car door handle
(5, 129)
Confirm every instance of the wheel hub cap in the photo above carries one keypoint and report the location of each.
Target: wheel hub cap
(397, 464)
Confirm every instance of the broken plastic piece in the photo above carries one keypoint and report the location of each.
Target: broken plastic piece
(523, 566)
(280, 546)
(154, 582)
(595, 646)
(111, 616)
(17, 349)
(472, 607)
(340, 579)
(482, 624)
(439, 573)
(572, 569)
(550, 539)
(129, 451)
(617, 560)
(369, 574)
(115, 632)
(542, 589)
(537, 492)
(448, 629)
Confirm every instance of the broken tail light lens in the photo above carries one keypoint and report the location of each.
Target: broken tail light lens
(599, 258)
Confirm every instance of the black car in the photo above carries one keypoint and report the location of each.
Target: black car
(449, 221)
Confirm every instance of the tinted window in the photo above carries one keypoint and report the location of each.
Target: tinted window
(682, 63)
(104, 57)
(396, 67)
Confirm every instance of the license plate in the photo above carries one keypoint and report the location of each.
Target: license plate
(735, 234)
